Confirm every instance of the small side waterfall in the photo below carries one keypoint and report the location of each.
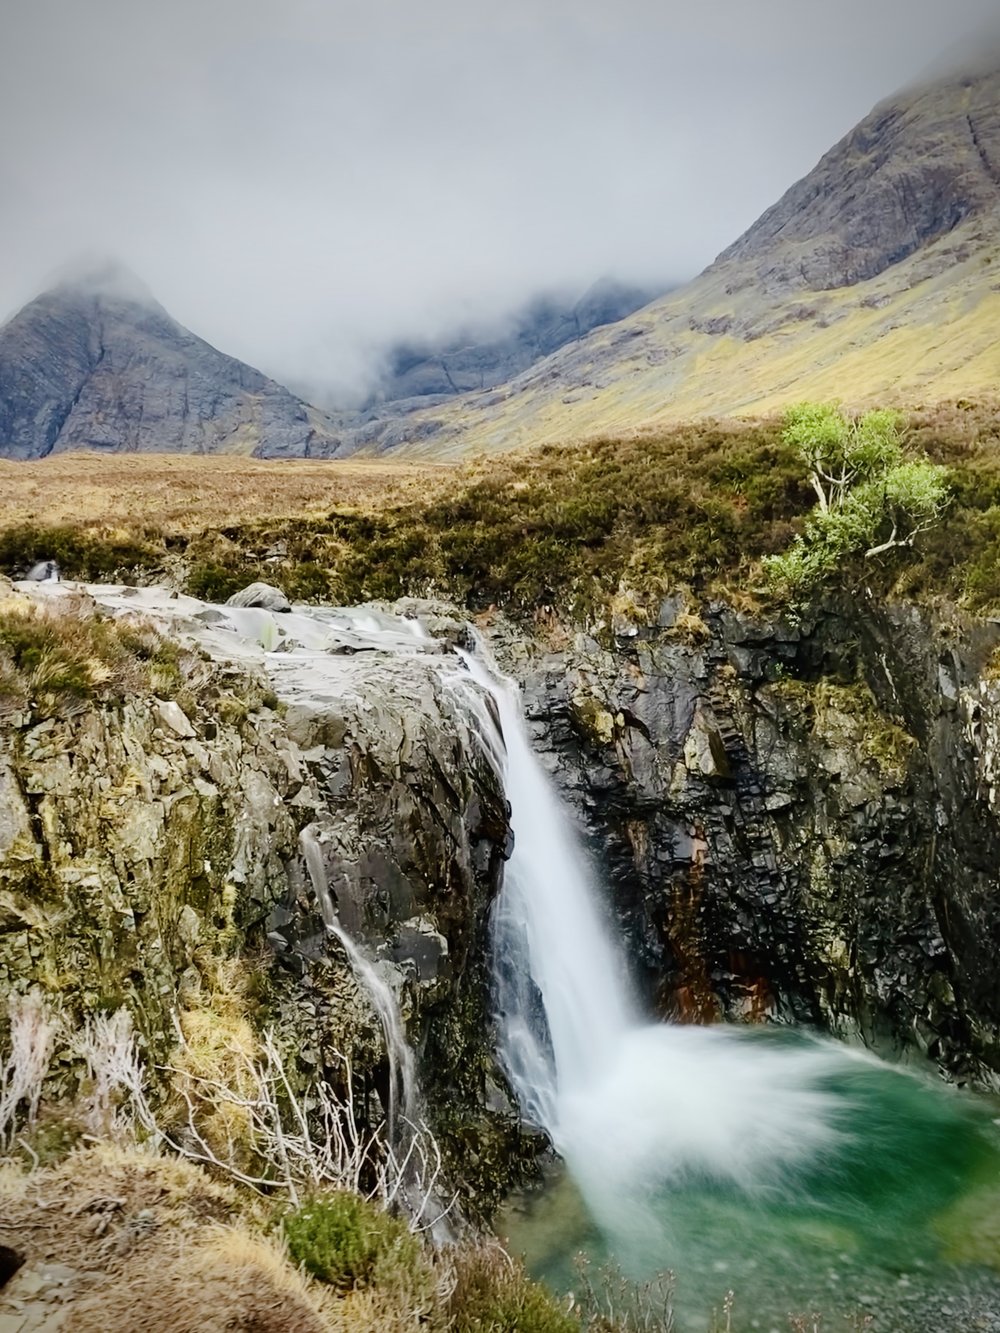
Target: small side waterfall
(402, 1066)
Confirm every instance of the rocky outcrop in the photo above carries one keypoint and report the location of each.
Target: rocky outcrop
(96, 363)
(796, 821)
(921, 163)
(145, 842)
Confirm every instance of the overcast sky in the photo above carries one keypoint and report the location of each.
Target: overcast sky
(302, 181)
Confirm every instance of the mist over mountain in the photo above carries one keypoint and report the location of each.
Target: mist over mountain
(480, 358)
(873, 278)
(307, 185)
(876, 277)
(96, 363)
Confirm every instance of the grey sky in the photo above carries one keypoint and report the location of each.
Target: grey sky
(301, 182)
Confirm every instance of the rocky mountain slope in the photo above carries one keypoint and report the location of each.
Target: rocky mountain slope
(96, 363)
(473, 359)
(875, 278)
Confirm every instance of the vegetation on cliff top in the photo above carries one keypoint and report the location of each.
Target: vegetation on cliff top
(54, 657)
(571, 528)
(873, 497)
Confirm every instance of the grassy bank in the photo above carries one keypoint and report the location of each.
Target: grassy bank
(572, 528)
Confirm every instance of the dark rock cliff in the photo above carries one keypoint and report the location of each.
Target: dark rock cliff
(796, 821)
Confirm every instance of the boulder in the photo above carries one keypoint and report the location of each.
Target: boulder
(263, 595)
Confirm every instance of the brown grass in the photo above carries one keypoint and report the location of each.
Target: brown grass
(155, 1245)
(178, 493)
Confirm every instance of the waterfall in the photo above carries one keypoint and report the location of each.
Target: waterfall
(402, 1076)
(561, 980)
(631, 1106)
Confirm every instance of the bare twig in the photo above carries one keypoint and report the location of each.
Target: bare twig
(33, 1031)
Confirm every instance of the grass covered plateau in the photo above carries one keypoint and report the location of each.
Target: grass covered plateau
(578, 528)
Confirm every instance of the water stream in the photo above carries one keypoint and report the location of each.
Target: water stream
(801, 1174)
(401, 1110)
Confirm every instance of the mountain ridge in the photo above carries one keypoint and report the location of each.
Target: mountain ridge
(875, 278)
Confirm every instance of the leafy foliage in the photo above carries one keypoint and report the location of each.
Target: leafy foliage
(872, 497)
(574, 527)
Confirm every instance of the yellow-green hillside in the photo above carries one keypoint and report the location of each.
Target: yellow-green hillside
(875, 279)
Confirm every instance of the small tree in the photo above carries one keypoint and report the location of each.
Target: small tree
(872, 496)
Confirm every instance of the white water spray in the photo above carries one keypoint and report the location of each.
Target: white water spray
(629, 1105)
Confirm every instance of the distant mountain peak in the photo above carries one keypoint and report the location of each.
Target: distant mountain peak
(95, 362)
(102, 276)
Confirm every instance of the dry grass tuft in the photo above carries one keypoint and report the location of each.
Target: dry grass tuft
(153, 1243)
(219, 1048)
(224, 1280)
(55, 657)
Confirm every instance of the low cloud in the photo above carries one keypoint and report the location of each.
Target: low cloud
(304, 182)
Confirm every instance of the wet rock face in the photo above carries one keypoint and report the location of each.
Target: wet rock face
(799, 822)
(144, 843)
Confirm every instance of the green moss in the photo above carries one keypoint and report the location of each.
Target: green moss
(837, 711)
(344, 1240)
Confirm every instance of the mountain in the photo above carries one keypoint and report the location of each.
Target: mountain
(480, 360)
(96, 363)
(876, 278)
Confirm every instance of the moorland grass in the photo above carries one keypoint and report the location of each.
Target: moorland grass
(572, 528)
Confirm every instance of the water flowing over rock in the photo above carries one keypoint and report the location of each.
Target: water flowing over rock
(796, 820)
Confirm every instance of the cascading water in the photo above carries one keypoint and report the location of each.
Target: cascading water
(402, 1065)
(575, 1047)
(561, 980)
(767, 1155)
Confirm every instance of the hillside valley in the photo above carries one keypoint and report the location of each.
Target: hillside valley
(873, 280)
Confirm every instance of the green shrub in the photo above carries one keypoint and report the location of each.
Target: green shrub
(214, 582)
(872, 497)
(93, 555)
(493, 1294)
(348, 1242)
